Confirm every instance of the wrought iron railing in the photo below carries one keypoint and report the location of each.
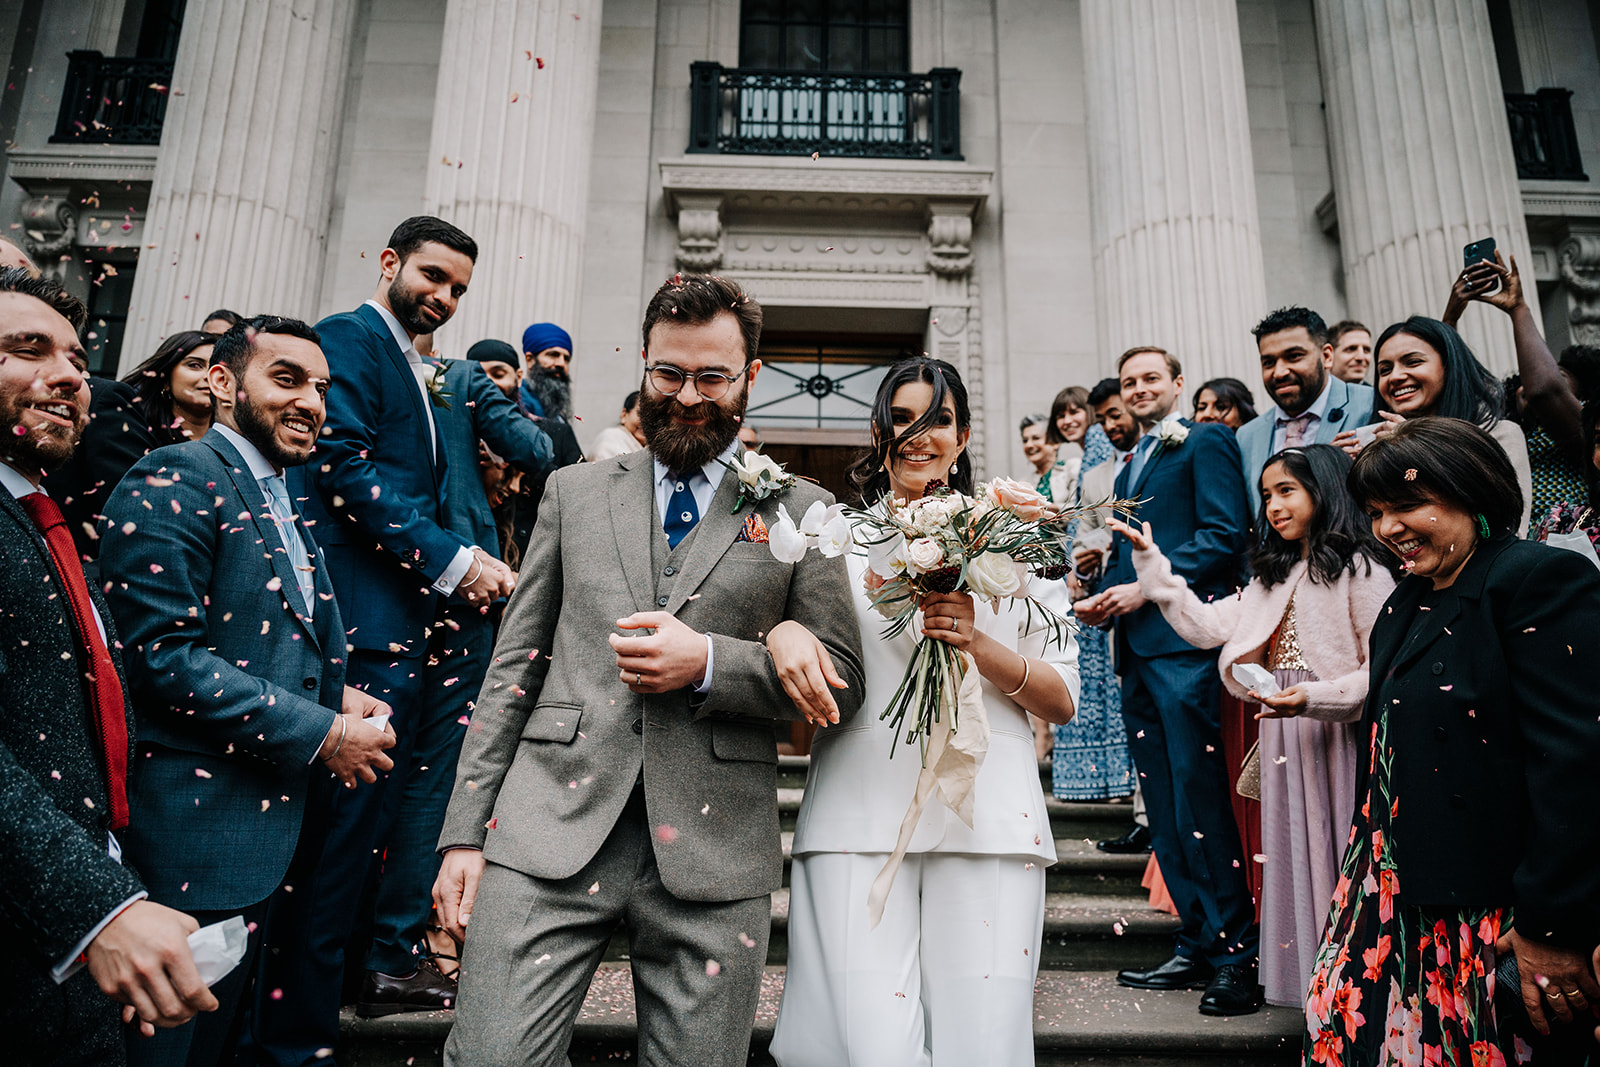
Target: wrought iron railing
(113, 99)
(1543, 137)
(782, 113)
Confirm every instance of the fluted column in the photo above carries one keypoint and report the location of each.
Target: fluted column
(513, 125)
(1422, 160)
(244, 181)
(1177, 245)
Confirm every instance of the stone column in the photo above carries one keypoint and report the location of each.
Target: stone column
(513, 126)
(1177, 245)
(243, 186)
(1422, 161)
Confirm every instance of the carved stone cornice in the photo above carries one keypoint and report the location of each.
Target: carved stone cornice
(56, 165)
(780, 184)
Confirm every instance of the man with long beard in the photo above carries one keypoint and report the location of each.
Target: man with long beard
(79, 922)
(545, 395)
(375, 504)
(629, 778)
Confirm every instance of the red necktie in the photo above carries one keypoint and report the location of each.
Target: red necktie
(105, 688)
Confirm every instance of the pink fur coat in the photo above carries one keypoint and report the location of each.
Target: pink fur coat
(1333, 623)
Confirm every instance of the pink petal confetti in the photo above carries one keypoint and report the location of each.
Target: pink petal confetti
(666, 834)
(713, 968)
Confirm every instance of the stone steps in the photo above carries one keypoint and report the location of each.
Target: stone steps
(1079, 1017)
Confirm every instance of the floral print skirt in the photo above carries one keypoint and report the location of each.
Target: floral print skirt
(1396, 984)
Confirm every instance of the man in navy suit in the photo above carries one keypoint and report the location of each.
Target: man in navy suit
(211, 575)
(1312, 405)
(375, 504)
(1188, 476)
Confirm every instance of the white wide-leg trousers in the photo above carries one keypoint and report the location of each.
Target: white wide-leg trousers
(946, 979)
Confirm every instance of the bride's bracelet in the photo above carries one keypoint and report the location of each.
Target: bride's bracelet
(1026, 667)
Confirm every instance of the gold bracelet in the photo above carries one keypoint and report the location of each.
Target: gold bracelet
(1024, 683)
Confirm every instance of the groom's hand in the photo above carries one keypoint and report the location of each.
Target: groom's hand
(456, 888)
(672, 658)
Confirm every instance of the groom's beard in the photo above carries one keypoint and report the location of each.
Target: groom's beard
(685, 447)
(554, 392)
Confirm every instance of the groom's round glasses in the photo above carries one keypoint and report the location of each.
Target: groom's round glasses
(710, 384)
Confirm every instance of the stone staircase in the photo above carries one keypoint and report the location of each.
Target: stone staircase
(1097, 921)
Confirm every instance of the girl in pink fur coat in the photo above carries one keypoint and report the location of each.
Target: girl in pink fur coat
(1320, 580)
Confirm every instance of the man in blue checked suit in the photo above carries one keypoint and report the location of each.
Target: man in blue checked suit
(235, 655)
(1188, 477)
(374, 500)
(1311, 405)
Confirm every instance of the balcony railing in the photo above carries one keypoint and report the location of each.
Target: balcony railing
(1542, 135)
(113, 99)
(786, 113)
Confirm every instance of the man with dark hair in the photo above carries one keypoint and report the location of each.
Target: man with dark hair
(66, 900)
(1351, 343)
(545, 395)
(1188, 476)
(1311, 406)
(220, 321)
(245, 603)
(635, 784)
(375, 503)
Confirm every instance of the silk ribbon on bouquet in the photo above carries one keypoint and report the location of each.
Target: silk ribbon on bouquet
(951, 768)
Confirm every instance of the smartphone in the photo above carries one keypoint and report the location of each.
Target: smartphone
(1481, 252)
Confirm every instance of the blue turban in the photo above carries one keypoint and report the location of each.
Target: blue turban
(543, 335)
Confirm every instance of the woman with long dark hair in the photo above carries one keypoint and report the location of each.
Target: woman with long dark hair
(1320, 579)
(1425, 368)
(1224, 400)
(171, 387)
(1474, 831)
(960, 932)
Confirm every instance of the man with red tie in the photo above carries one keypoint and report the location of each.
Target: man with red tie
(80, 924)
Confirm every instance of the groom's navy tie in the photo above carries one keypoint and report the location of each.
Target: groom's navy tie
(682, 513)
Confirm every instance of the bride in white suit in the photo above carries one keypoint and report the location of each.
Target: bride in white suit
(946, 978)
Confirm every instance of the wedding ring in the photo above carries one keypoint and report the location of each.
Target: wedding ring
(1554, 993)
(638, 679)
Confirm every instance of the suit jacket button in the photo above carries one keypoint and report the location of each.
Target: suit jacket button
(1438, 733)
(662, 601)
(1438, 668)
(310, 683)
(638, 726)
(670, 571)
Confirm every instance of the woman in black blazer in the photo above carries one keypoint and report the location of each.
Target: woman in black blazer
(1477, 807)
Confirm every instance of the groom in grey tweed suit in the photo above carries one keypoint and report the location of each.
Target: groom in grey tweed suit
(610, 779)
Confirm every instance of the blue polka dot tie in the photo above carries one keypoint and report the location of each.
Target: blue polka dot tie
(682, 513)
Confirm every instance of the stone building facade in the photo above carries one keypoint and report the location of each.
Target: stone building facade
(1024, 187)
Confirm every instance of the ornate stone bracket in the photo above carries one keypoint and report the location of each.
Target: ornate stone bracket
(1578, 261)
(49, 226)
(950, 239)
(699, 232)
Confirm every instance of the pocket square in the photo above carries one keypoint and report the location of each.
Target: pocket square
(753, 530)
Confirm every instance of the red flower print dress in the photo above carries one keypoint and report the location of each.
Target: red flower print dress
(1395, 983)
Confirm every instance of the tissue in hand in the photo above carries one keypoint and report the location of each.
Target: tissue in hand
(218, 948)
(1255, 676)
(378, 721)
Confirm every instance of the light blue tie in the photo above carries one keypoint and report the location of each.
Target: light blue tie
(1141, 455)
(682, 511)
(283, 515)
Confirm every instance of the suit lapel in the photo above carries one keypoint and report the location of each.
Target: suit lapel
(1334, 414)
(397, 359)
(632, 513)
(249, 490)
(1467, 586)
(1157, 451)
(713, 536)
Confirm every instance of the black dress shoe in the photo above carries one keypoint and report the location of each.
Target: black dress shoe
(1136, 840)
(1179, 972)
(1233, 991)
(424, 989)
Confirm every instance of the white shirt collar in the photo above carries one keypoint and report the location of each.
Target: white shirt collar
(16, 481)
(712, 471)
(408, 347)
(259, 467)
(1318, 406)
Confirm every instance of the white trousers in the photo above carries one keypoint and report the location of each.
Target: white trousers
(946, 980)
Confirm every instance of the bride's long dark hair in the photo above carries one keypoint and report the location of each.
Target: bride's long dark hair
(870, 473)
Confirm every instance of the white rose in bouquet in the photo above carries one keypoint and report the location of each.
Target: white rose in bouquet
(924, 554)
(992, 576)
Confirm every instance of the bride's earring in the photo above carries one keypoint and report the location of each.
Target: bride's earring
(953, 468)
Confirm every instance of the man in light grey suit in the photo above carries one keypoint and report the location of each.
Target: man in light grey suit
(608, 778)
(1311, 405)
(212, 576)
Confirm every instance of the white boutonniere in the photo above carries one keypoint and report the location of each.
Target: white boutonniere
(1172, 434)
(759, 477)
(436, 391)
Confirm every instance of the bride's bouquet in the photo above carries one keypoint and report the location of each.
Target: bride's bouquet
(986, 544)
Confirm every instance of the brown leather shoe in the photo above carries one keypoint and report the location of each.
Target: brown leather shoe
(424, 989)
